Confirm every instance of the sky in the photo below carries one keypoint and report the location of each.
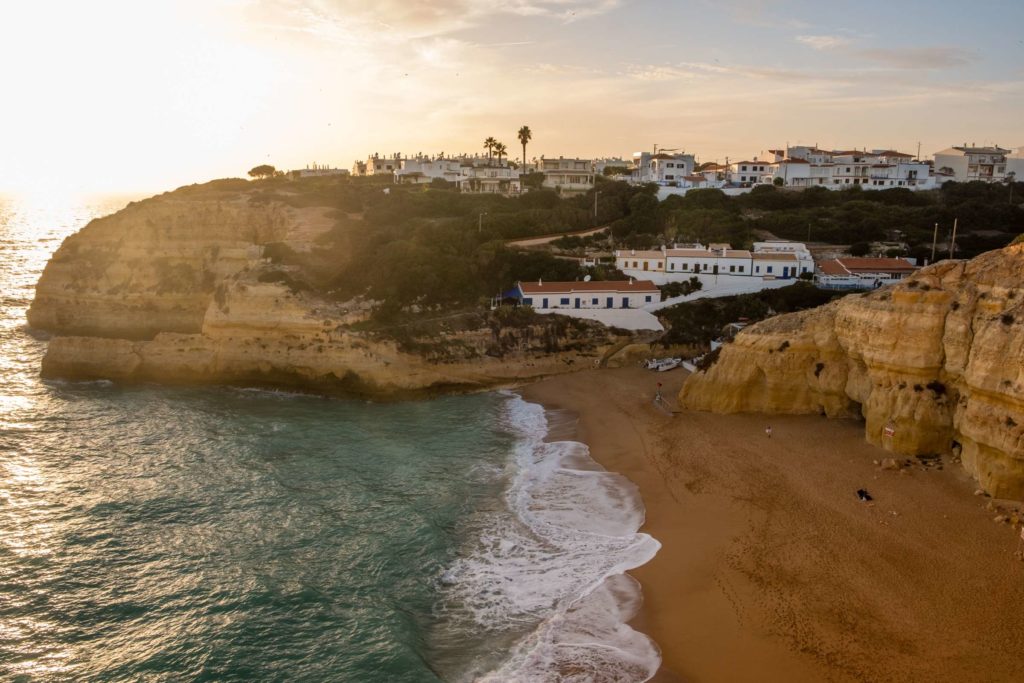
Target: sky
(113, 95)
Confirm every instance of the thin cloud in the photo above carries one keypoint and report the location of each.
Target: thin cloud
(824, 42)
(920, 57)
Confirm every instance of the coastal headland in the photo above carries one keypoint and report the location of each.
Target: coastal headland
(773, 569)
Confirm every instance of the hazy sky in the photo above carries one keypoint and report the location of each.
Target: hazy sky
(149, 95)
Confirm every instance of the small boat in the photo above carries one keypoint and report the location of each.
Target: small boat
(669, 364)
(663, 364)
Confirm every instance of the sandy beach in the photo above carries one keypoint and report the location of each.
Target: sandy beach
(772, 569)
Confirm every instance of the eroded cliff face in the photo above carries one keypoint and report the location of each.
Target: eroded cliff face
(933, 364)
(169, 290)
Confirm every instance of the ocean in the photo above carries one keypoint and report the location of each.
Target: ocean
(234, 534)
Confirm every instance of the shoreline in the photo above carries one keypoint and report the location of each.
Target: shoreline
(771, 568)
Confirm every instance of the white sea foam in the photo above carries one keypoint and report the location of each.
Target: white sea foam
(553, 561)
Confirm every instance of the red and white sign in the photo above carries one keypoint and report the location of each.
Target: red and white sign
(889, 430)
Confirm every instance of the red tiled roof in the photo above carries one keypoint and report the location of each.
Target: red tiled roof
(794, 161)
(856, 266)
(642, 254)
(774, 256)
(529, 288)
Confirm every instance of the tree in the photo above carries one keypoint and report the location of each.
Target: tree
(778, 182)
(262, 171)
(860, 249)
(489, 144)
(501, 150)
(524, 135)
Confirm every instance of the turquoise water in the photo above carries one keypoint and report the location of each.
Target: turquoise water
(153, 533)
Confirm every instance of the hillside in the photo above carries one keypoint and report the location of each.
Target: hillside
(327, 284)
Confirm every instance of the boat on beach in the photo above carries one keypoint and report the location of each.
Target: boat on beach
(663, 364)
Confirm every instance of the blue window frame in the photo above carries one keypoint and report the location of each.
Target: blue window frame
(769, 269)
(564, 301)
(527, 301)
(593, 302)
(647, 298)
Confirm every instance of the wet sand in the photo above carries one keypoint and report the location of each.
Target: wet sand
(772, 569)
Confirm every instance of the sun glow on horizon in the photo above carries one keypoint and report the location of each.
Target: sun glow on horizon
(117, 95)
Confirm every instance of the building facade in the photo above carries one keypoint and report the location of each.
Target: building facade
(967, 163)
(772, 259)
(567, 176)
(545, 296)
(862, 273)
(662, 168)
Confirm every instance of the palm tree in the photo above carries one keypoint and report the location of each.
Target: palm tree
(489, 144)
(500, 149)
(525, 135)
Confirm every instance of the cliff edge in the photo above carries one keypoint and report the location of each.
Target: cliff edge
(933, 365)
(182, 288)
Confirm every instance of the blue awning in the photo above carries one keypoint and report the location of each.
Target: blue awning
(511, 294)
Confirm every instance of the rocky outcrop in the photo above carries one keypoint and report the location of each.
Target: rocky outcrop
(933, 364)
(178, 290)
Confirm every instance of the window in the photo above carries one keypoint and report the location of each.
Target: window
(564, 301)
(743, 168)
(705, 266)
(732, 269)
(647, 298)
(769, 269)
(757, 269)
(527, 301)
(741, 268)
(593, 302)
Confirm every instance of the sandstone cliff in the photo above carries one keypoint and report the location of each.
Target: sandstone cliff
(177, 289)
(932, 365)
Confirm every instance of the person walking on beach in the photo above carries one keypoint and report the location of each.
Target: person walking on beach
(768, 431)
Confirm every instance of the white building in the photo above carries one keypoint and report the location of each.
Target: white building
(836, 170)
(747, 173)
(862, 273)
(423, 170)
(968, 163)
(661, 168)
(567, 176)
(489, 179)
(545, 296)
(377, 165)
(804, 259)
(776, 259)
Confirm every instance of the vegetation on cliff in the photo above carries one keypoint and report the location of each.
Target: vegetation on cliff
(700, 321)
(986, 217)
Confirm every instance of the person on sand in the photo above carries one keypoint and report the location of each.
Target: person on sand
(768, 431)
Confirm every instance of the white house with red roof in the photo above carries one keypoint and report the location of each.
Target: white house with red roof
(862, 273)
(609, 294)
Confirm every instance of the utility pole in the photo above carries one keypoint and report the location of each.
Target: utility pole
(596, 193)
(480, 223)
(952, 242)
(935, 237)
